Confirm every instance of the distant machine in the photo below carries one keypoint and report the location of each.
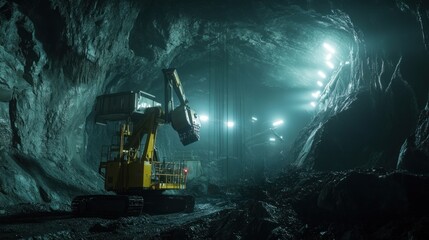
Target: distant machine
(133, 170)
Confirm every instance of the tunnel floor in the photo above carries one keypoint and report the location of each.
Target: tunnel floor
(297, 204)
(62, 225)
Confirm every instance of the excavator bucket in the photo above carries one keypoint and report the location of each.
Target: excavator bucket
(187, 123)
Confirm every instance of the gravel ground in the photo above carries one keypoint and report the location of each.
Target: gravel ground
(62, 225)
(349, 205)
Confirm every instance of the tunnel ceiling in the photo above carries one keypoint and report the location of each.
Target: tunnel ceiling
(280, 43)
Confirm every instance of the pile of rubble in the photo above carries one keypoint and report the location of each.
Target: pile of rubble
(358, 204)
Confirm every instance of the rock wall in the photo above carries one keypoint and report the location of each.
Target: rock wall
(55, 58)
(371, 106)
(414, 155)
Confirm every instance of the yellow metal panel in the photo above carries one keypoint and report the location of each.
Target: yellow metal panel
(135, 175)
(147, 171)
(150, 146)
(112, 175)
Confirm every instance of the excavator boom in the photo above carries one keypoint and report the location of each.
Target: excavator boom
(183, 119)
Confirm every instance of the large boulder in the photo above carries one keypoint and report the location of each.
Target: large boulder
(372, 196)
(371, 105)
(414, 155)
(366, 131)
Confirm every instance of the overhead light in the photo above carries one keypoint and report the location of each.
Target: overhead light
(321, 74)
(277, 123)
(320, 83)
(316, 94)
(272, 139)
(204, 118)
(328, 47)
(330, 64)
(329, 56)
(313, 104)
(254, 119)
(347, 63)
(230, 124)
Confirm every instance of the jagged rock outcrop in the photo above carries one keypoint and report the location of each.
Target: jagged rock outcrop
(414, 155)
(55, 60)
(370, 106)
(297, 204)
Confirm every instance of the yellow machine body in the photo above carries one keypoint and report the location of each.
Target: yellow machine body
(131, 171)
(130, 165)
(122, 176)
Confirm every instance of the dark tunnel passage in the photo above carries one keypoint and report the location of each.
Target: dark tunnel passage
(312, 116)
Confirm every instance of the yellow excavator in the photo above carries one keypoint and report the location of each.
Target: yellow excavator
(133, 170)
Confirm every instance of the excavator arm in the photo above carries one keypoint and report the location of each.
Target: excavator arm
(182, 118)
(132, 105)
(147, 124)
(172, 82)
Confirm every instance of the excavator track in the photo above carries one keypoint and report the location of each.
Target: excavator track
(164, 204)
(107, 205)
(130, 205)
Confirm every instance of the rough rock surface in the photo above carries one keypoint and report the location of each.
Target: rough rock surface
(51, 56)
(371, 106)
(414, 155)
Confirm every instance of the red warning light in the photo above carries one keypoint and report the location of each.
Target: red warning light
(185, 170)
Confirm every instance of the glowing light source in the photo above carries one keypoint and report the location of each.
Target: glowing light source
(185, 170)
(320, 83)
(254, 119)
(204, 118)
(230, 124)
(277, 123)
(347, 63)
(316, 94)
(330, 64)
(272, 139)
(321, 74)
(313, 104)
(329, 56)
(328, 47)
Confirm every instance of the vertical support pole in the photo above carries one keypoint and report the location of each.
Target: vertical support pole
(122, 142)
